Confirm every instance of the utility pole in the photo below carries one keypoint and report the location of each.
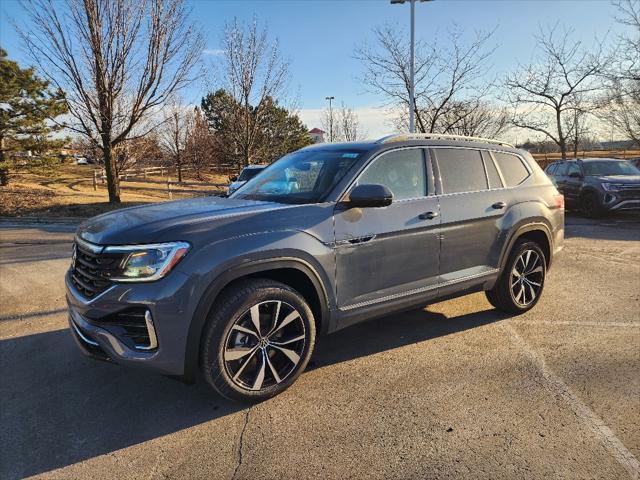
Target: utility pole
(330, 118)
(412, 100)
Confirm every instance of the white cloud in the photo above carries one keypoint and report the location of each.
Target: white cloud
(374, 122)
(214, 52)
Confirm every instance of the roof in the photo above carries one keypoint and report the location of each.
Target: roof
(316, 130)
(591, 159)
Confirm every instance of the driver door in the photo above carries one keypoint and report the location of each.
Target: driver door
(388, 253)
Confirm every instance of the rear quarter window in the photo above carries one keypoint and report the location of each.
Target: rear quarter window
(513, 170)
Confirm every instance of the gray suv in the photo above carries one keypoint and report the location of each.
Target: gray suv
(325, 237)
(597, 185)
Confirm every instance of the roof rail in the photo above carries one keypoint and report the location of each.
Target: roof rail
(401, 137)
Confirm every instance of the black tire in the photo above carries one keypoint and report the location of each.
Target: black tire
(590, 206)
(231, 332)
(527, 294)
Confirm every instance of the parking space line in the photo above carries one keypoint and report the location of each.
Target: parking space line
(578, 324)
(582, 411)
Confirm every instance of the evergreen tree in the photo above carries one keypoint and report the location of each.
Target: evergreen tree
(26, 103)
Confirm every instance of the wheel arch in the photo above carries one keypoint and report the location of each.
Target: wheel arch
(539, 232)
(293, 272)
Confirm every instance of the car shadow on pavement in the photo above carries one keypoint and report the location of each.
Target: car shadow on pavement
(60, 408)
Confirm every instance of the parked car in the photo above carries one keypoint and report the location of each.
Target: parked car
(82, 161)
(597, 185)
(635, 162)
(246, 174)
(326, 237)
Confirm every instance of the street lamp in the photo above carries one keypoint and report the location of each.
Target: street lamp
(330, 118)
(412, 122)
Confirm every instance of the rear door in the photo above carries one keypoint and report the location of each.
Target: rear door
(473, 202)
(561, 177)
(391, 252)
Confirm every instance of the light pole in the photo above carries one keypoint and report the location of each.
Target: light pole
(330, 118)
(412, 122)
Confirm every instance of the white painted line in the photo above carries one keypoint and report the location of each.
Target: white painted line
(578, 324)
(582, 411)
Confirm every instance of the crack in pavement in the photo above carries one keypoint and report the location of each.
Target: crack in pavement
(615, 447)
(241, 444)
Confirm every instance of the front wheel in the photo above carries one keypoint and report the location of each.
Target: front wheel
(521, 283)
(257, 341)
(590, 206)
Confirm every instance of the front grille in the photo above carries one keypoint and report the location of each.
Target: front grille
(91, 270)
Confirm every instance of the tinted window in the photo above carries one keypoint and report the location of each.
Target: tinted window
(402, 171)
(573, 168)
(492, 173)
(562, 169)
(610, 168)
(551, 168)
(461, 170)
(513, 170)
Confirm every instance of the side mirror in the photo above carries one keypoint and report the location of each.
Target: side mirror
(233, 178)
(575, 175)
(370, 195)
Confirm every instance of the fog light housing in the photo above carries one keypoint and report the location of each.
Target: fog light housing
(608, 198)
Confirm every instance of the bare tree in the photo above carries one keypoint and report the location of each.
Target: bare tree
(620, 104)
(346, 125)
(255, 76)
(200, 147)
(477, 119)
(549, 94)
(118, 61)
(175, 132)
(444, 75)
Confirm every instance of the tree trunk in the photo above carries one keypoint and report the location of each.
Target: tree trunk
(562, 143)
(111, 172)
(179, 164)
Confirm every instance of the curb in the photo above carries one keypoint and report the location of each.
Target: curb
(49, 220)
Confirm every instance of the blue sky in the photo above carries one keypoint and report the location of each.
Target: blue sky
(318, 37)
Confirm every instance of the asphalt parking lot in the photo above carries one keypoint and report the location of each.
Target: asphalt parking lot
(452, 391)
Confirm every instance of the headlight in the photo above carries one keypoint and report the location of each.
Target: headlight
(146, 263)
(611, 187)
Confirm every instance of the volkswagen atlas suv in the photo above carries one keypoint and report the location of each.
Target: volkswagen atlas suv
(597, 186)
(327, 236)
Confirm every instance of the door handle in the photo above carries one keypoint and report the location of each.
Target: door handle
(498, 205)
(428, 215)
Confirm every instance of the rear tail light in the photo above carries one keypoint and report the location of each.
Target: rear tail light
(559, 199)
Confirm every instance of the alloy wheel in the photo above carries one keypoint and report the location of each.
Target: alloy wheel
(264, 345)
(527, 276)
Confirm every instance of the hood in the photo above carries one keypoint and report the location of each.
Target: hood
(627, 179)
(147, 223)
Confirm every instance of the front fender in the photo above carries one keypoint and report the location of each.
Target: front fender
(220, 263)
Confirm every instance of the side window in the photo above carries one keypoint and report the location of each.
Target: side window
(551, 168)
(561, 169)
(573, 168)
(513, 170)
(461, 170)
(402, 171)
(492, 173)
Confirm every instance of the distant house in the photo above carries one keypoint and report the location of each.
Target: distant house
(316, 135)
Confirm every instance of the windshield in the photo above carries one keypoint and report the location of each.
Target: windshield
(609, 168)
(305, 176)
(248, 173)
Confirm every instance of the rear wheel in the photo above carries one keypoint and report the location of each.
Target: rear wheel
(257, 341)
(521, 283)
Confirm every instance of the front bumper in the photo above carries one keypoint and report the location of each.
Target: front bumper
(168, 323)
